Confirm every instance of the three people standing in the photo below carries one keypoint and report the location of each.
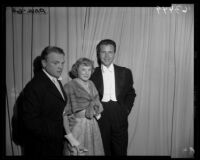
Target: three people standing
(98, 101)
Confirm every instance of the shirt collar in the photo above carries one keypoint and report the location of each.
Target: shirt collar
(51, 77)
(110, 68)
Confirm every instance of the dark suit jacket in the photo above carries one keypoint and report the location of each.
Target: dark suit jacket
(125, 93)
(42, 112)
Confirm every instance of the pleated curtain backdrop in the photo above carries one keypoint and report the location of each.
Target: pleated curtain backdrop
(156, 43)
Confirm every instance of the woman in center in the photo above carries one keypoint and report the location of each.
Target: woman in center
(83, 105)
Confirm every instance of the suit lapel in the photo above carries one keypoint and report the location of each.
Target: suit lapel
(61, 86)
(51, 87)
(118, 79)
(99, 80)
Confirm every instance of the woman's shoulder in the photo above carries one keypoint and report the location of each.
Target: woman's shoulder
(73, 85)
(91, 83)
(70, 85)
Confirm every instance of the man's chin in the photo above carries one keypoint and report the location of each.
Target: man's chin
(107, 64)
(57, 76)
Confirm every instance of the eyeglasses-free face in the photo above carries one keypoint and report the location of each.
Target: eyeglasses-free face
(106, 54)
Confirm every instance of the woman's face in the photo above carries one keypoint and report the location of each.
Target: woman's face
(84, 72)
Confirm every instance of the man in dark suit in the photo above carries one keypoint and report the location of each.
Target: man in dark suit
(43, 104)
(115, 87)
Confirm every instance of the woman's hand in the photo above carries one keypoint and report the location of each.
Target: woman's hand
(72, 140)
(76, 148)
(89, 112)
(72, 121)
(96, 109)
(80, 150)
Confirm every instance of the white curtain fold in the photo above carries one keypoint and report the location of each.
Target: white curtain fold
(156, 46)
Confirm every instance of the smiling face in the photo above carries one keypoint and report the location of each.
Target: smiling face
(84, 72)
(53, 64)
(106, 54)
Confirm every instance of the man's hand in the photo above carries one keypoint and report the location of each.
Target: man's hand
(98, 116)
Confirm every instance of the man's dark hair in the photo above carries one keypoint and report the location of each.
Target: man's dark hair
(104, 42)
(37, 65)
(50, 49)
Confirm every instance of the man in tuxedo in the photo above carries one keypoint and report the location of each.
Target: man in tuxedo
(42, 108)
(115, 86)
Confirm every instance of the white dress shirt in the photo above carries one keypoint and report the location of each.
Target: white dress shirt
(109, 83)
(55, 81)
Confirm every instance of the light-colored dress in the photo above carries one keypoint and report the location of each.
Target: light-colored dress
(86, 130)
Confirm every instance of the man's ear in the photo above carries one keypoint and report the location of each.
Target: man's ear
(43, 63)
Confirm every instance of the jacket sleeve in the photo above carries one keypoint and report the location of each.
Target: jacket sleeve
(36, 125)
(130, 92)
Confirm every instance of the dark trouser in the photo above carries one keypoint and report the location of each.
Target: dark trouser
(37, 149)
(113, 125)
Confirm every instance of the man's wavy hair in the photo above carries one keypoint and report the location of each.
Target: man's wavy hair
(81, 61)
(37, 64)
(47, 50)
